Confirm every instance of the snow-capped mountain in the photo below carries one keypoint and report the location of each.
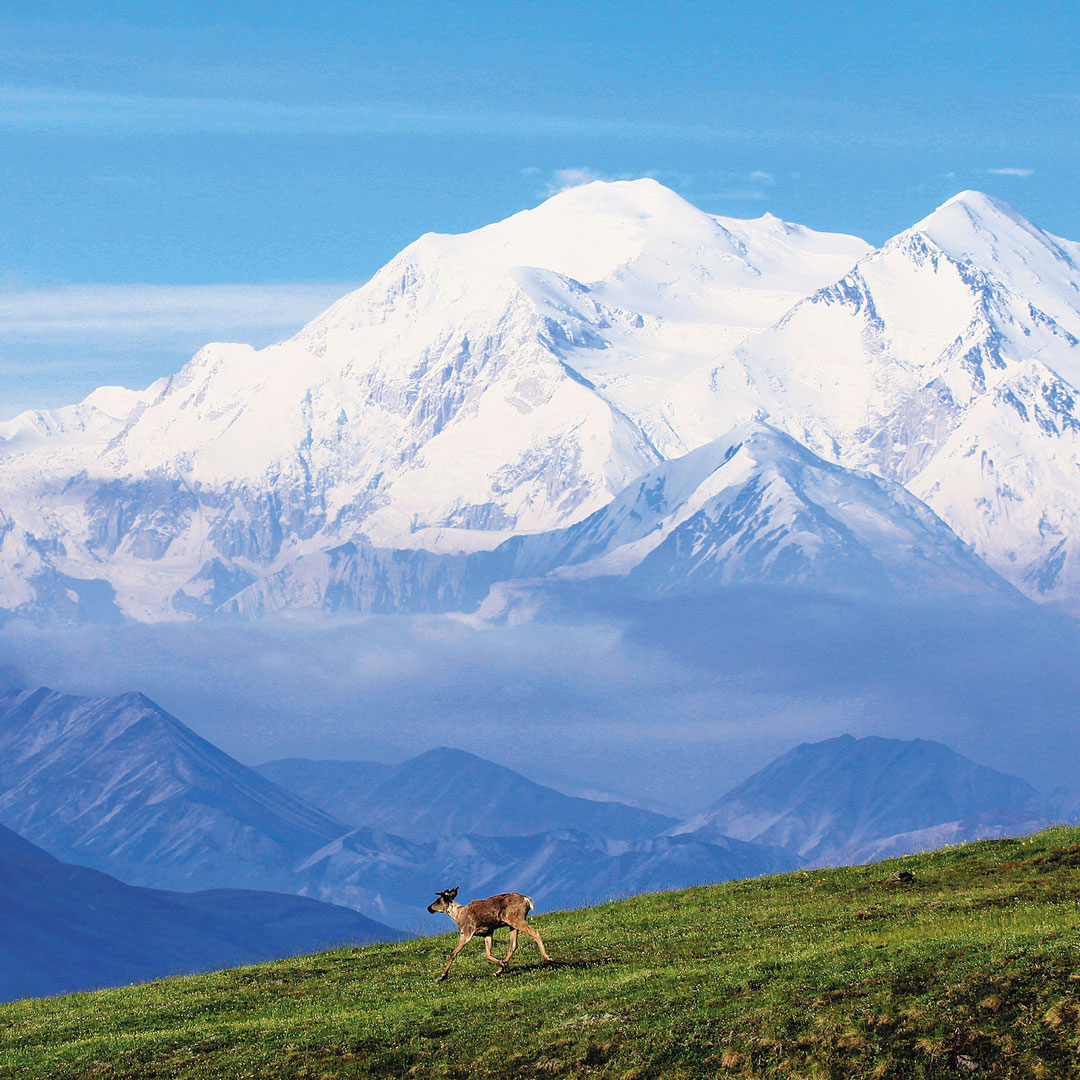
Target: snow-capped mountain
(755, 506)
(515, 380)
(948, 361)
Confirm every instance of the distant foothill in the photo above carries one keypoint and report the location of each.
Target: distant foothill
(116, 798)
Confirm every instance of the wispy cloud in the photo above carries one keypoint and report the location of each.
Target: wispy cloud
(142, 311)
(734, 196)
(748, 118)
(760, 176)
(1011, 172)
(564, 179)
(72, 111)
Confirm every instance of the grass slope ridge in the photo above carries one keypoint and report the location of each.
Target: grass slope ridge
(973, 969)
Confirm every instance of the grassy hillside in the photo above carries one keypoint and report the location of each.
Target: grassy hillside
(971, 970)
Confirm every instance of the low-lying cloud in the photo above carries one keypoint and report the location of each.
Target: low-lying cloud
(670, 701)
(66, 312)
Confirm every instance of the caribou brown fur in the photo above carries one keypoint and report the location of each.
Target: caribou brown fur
(484, 917)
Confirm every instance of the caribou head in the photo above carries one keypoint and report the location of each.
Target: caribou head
(442, 901)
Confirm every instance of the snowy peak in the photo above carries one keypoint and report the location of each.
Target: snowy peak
(959, 223)
(969, 211)
(585, 234)
(754, 507)
(923, 302)
(96, 419)
(636, 244)
(774, 513)
(757, 507)
(944, 361)
(589, 232)
(988, 233)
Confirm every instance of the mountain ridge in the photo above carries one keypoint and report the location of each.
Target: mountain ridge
(752, 507)
(843, 793)
(516, 379)
(120, 785)
(446, 791)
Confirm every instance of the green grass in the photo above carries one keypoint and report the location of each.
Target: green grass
(972, 970)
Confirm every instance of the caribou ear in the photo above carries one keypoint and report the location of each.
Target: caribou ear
(451, 893)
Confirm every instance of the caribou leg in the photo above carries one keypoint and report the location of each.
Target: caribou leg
(513, 944)
(462, 941)
(539, 941)
(488, 954)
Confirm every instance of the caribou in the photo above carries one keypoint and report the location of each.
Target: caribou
(484, 917)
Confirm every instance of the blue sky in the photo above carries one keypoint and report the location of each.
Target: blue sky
(156, 152)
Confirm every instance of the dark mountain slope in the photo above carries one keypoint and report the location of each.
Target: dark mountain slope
(70, 928)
